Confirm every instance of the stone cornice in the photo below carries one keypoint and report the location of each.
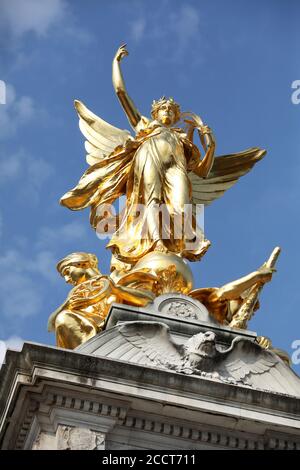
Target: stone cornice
(36, 362)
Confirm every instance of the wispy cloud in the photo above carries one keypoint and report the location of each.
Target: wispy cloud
(32, 174)
(16, 112)
(138, 28)
(29, 269)
(15, 262)
(157, 27)
(14, 342)
(51, 237)
(20, 297)
(186, 27)
(21, 17)
(39, 18)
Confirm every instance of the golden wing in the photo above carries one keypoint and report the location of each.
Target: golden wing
(102, 138)
(225, 172)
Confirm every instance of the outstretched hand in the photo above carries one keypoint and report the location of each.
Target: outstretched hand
(266, 273)
(121, 52)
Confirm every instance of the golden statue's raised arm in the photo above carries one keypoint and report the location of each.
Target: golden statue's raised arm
(118, 82)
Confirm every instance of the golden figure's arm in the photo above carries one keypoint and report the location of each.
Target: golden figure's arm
(248, 307)
(90, 292)
(207, 141)
(133, 296)
(234, 289)
(77, 303)
(209, 145)
(61, 308)
(119, 85)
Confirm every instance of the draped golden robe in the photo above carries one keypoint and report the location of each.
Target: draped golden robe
(152, 171)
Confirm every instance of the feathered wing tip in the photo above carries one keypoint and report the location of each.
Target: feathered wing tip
(226, 171)
(248, 363)
(150, 341)
(102, 141)
(102, 137)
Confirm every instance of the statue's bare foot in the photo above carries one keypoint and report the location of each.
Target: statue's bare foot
(204, 247)
(206, 244)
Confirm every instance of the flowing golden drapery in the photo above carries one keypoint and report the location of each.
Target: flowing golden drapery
(149, 181)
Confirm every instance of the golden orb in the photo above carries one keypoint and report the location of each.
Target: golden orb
(173, 272)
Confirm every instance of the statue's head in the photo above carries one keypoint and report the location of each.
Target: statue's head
(78, 267)
(166, 111)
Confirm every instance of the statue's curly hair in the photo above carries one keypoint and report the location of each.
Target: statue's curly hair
(156, 105)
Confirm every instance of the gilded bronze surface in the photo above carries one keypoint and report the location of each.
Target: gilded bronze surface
(82, 314)
(161, 172)
(234, 303)
(160, 167)
(247, 309)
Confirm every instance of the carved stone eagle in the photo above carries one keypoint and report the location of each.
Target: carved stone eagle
(243, 362)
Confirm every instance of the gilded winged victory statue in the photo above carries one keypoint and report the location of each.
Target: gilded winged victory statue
(164, 177)
(160, 169)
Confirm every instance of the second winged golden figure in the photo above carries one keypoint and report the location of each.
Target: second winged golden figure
(160, 169)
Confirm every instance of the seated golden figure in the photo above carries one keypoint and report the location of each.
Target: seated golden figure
(224, 302)
(235, 303)
(83, 313)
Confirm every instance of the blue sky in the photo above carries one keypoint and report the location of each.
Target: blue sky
(232, 62)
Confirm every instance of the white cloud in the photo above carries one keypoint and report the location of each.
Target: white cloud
(51, 237)
(2, 92)
(36, 172)
(78, 34)
(24, 108)
(16, 112)
(15, 263)
(20, 296)
(186, 25)
(137, 29)
(2, 352)
(40, 18)
(183, 26)
(44, 264)
(32, 173)
(14, 342)
(36, 16)
(10, 167)
(29, 270)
